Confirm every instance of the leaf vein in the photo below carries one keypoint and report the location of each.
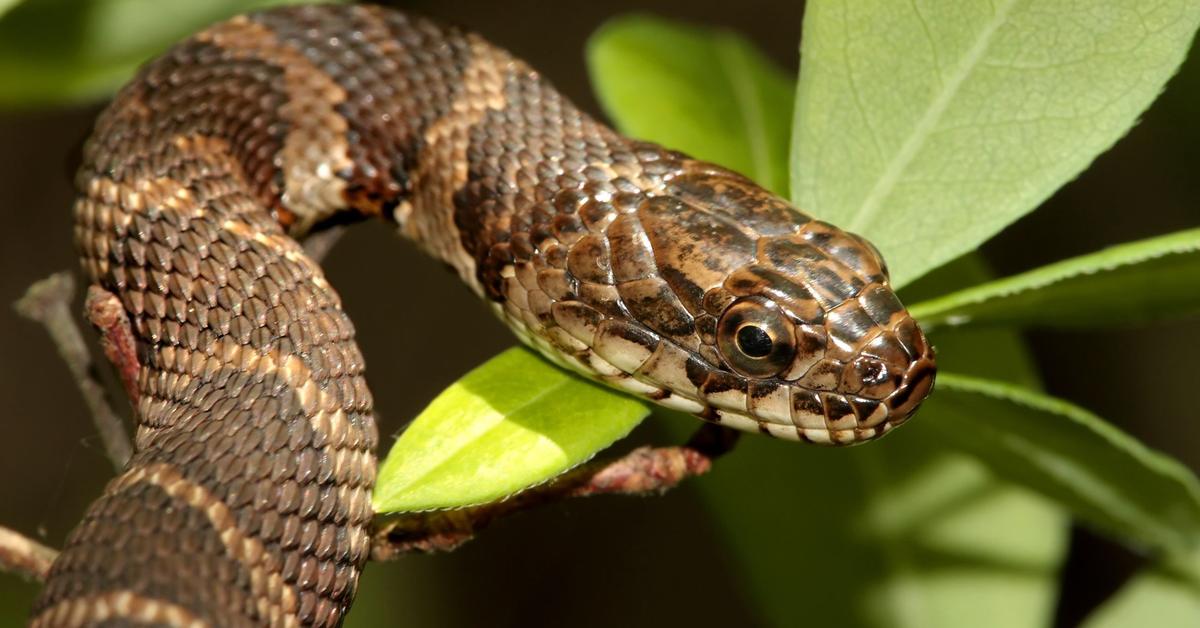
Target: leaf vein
(921, 132)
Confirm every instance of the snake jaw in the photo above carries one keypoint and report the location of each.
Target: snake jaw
(837, 409)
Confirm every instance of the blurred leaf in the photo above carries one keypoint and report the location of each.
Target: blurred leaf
(1157, 597)
(1102, 475)
(16, 597)
(903, 532)
(1139, 281)
(929, 126)
(511, 423)
(703, 91)
(7, 5)
(69, 51)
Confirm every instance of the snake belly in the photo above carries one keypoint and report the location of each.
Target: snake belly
(247, 501)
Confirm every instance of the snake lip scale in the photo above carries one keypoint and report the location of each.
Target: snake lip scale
(247, 500)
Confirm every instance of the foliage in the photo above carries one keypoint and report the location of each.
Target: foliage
(925, 126)
(1079, 292)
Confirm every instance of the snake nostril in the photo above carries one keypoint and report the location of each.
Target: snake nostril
(871, 372)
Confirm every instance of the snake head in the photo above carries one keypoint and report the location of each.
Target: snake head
(739, 309)
(813, 329)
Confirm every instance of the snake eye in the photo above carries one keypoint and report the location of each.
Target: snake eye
(756, 338)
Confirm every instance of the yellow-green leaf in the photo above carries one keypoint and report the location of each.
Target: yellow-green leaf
(511, 423)
(928, 126)
(1140, 281)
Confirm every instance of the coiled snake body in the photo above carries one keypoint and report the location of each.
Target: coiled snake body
(247, 500)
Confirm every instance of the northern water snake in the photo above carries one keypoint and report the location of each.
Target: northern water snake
(247, 500)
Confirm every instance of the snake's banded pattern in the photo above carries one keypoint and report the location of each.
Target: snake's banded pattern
(247, 501)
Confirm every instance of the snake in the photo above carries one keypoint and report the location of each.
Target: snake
(247, 499)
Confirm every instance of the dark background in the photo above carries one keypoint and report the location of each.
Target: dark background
(604, 561)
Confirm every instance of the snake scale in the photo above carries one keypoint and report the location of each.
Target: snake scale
(247, 501)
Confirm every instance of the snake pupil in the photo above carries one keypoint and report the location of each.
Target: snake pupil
(754, 341)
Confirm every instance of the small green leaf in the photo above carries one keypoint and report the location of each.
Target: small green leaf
(703, 91)
(1140, 281)
(1102, 475)
(66, 51)
(511, 423)
(1157, 592)
(929, 126)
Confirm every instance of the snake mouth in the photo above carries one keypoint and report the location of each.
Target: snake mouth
(824, 410)
(838, 407)
(792, 412)
(679, 379)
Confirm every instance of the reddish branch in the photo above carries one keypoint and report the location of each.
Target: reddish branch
(105, 312)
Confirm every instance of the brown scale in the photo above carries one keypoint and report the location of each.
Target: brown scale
(247, 501)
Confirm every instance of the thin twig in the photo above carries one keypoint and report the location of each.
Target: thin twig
(24, 556)
(48, 302)
(643, 471)
(318, 245)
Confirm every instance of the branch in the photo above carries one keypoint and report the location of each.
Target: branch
(105, 312)
(318, 244)
(48, 302)
(24, 556)
(643, 471)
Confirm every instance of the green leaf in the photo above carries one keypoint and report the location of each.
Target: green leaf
(511, 423)
(66, 51)
(1135, 282)
(706, 92)
(929, 126)
(1159, 593)
(1102, 475)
